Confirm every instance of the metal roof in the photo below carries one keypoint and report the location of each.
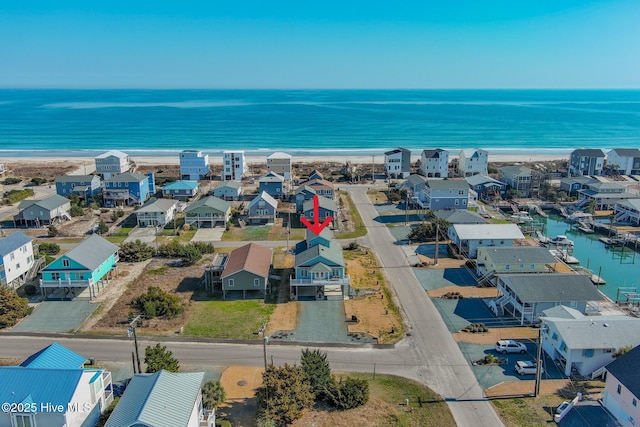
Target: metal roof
(448, 184)
(211, 202)
(252, 257)
(127, 177)
(459, 216)
(480, 179)
(91, 252)
(22, 385)
(304, 188)
(433, 154)
(12, 242)
(333, 254)
(161, 399)
(114, 153)
(49, 203)
(631, 204)
(159, 205)
(519, 170)
(76, 178)
(588, 152)
(519, 254)
(279, 155)
(488, 231)
(323, 202)
(626, 152)
(625, 369)
(229, 184)
(55, 356)
(266, 197)
(182, 185)
(271, 177)
(551, 287)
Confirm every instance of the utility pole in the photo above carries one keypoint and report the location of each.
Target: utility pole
(265, 340)
(435, 258)
(539, 362)
(132, 331)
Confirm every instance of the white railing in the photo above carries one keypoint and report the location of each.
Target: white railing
(59, 283)
(341, 281)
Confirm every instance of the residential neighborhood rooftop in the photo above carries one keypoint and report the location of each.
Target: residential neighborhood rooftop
(488, 231)
(251, 257)
(520, 254)
(552, 287)
(92, 251)
(55, 356)
(12, 242)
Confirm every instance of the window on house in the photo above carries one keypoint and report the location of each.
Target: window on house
(12, 256)
(23, 420)
(55, 276)
(65, 263)
(507, 267)
(607, 350)
(256, 282)
(587, 352)
(231, 283)
(554, 336)
(634, 402)
(563, 346)
(521, 266)
(619, 390)
(532, 266)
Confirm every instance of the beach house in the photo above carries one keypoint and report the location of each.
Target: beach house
(604, 194)
(280, 163)
(319, 270)
(181, 190)
(128, 189)
(469, 237)
(16, 259)
(414, 185)
(434, 163)
(228, 190)
(526, 296)
(321, 186)
(574, 183)
(583, 344)
(492, 261)
(193, 165)
(40, 212)
(397, 163)
(302, 194)
(113, 162)
(586, 161)
(627, 212)
(622, 388)
(459, 216)
(271, 183)
(159, 212)
(83, 186)
(488, 189)
(472, 161)
(52, 388)
(233, 165)
(444, 194)
(88, 265)
(520, 179)
(208, 212)
(262, 209)
(623, 161)
(162, 399)
(326, 208)
(247, 270)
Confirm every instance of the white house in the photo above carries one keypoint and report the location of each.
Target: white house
(112, 162)
(515, 259)
(434, 163)
(584, 344)
(627, 211)
(624, 161)
(586, 161)
(233, 165)
(16, 258)
(469, 237)
(157, 213)
(162, 399)
(397, 163)
(622, 389)
(193, 165)
(473, 161)
(280, 163)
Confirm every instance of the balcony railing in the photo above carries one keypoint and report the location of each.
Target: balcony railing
(59, 283)
(208, 418)
(340, 281)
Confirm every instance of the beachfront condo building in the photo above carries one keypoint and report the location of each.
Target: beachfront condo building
(586, 161)
(112, 163)
(623, 161)
(233, 165)
(473, 161)
(434, 163)
(193, 165)
(397, 163)
(280, 163)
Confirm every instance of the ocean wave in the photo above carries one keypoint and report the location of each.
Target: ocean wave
(81, 105)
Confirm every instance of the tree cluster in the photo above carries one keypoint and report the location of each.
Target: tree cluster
(190, 253)
(136, 251)
(12, 307)
(159, 357)
(159, 303)
(427, 232)
(49, 248)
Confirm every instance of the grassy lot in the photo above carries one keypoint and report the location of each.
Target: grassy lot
(227, 319)
(250, 232)
(377, 196)
(527, 412)
(386, 407)
(359, 229)
(281, 259)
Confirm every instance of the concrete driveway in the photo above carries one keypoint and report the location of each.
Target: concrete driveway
(144, 234)
(208, 234)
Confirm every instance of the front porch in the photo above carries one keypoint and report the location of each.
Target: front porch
(320, 288)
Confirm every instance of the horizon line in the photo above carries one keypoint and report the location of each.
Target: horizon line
(317, 89)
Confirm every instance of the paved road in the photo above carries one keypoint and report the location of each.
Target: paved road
(444, 369)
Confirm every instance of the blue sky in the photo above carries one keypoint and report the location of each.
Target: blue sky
(328, 44)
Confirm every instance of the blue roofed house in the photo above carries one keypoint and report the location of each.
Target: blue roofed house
(326, 208)
(162, 399)
(113, 162)
(84, 186)
(193, 165)
(88, 265)
(17, 263)
(128, 189)
(181, 190)
(39, 212)
(160, 212)
(584, 344)
(272, 183)
(54, 390)
(319, 269)
(228, 190)
(262, 209)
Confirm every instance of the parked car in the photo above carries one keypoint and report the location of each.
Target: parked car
(527, 367)
(510, 346)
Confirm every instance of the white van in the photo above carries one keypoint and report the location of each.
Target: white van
(527, 367)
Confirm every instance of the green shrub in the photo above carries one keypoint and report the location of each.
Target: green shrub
(158, 303)
(348, 393)
(173, 249)
(204, 247)
(190, 255)
(76, 211)
(49, 248)
(38, 180)
(135, 251)
(14, 196)
(12, 307)
(52, 231)
(12, 181)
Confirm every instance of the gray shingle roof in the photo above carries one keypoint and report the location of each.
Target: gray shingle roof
(75, 178)
(448, 184)
(433, 154)
(162, 399)
(323, 202)
(626, 152)
(211, 202)
(588, 152)
(160, 205)
(127, 177)
(50, 203)
(92, 252)
(266, 197)
(520, 254)
(459, 216)
(12, 242)
(625, 369)
(229, 184)
(479, 179)
(519, 170)
(271, 177)
(552, 287)
(333, 254)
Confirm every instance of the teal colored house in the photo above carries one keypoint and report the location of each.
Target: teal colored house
(86, 266)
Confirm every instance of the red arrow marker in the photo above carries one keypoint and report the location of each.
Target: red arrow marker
(317, 227)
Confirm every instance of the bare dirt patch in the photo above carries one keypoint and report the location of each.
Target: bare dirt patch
(240, 383)
(495, 334)
(41, 169)
(283, 318)
(443, 262)
(465, 291)
(547, 387)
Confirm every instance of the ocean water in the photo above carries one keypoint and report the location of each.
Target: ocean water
(314, 122)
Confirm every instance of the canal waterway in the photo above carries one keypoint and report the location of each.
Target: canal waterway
(620, 267)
